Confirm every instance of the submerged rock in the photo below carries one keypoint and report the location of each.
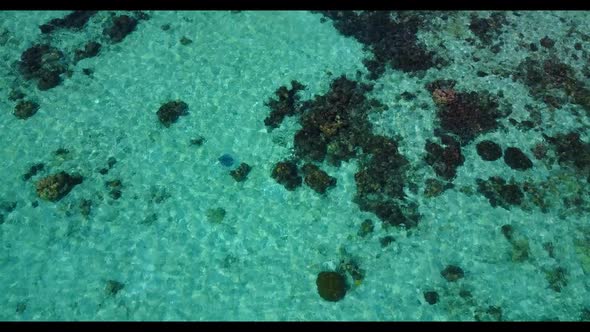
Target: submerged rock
(240, 174)
(285, 173)
(317, 179)
(331, 286)
(169, 112)
(120, 27)
(25, 109)
(516, 159)
(452, 273)
(488, 150)
(54, 187)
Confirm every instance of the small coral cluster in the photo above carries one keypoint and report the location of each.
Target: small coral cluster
(54, 187)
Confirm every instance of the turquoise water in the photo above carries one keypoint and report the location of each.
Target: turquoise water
(155, 220)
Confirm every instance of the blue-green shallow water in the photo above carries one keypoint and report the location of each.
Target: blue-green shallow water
(156, 227)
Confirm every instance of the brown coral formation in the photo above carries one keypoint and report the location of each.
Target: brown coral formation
(56, 186)
(317, 179)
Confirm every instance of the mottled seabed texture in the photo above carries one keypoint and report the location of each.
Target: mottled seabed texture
(240, 165)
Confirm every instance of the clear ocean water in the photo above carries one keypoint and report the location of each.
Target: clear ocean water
(153, 168)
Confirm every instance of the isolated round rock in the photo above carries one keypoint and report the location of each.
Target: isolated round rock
(331, 286)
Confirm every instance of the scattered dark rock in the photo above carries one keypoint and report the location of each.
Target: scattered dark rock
(550, 248)
(350, 266)
(392, 42)
(516, 159)
(87, 71)
(1, 218)
(452, 273)
(366, 228)
(557, 278)
(198, 141)
(520, 245)
(444, 161)
(15, 95)
(310, 144)
(386, 240)
(496, 48)
(44, 63)
(520, 249)
(487, 29)
(165, 27)
(431, 297)
(286, 105)
(489, 150)
(159, 194)
(72, 21)
(90, 50)
(103, 171)
(465, 294)
(85, 207)
(331, 286)
(240, 174)
(48, 80)
(553, 82)
(111, 161)
(490, 314)
(317, 179)
(150, 219)
(578, 46)
(507, 231)
(115, 194)
(380, 183)
(119, 28)
(285, 173)
(21, 307)
(572, 151)
(466, 115)
(533, 47)
(61, 152)
(185, 41)
(169, 112)
(115, 187)
(216, 215)
(408, 96)
(434, 187)
(36, 168)
(547, 42)
(56, 186)
(499, 193)
(140, 15)
(113, 287)
(8, 206)
(25, 109)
